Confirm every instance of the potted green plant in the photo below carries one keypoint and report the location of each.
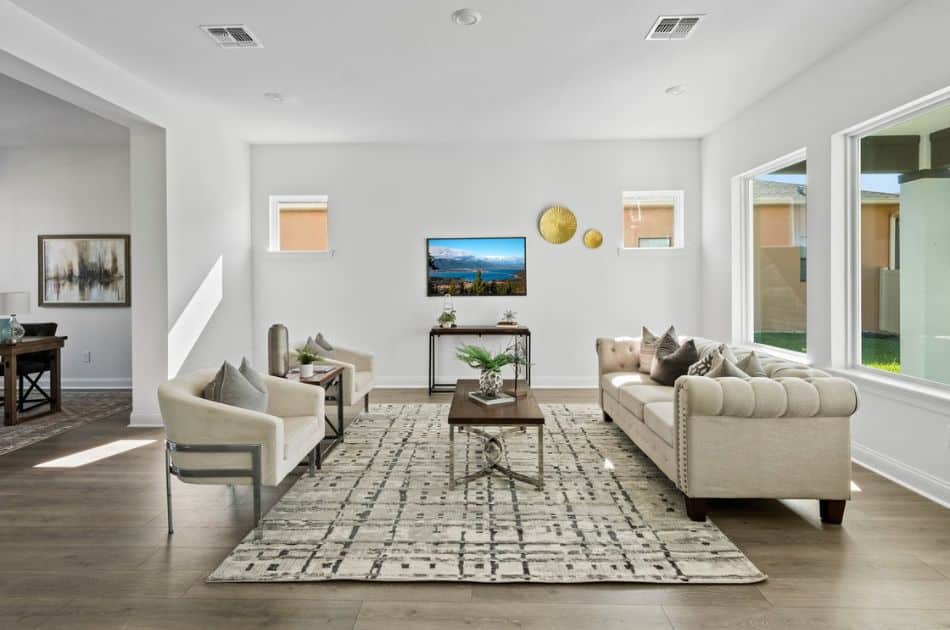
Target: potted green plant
(307, 358)
(447, 318)
(489, 379)
(509, 318)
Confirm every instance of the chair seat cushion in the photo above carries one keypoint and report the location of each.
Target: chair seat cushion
(300, 430)
(658, 417)
(634, 397)
(611, 382)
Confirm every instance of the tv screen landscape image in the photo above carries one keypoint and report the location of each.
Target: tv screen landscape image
(476, 266)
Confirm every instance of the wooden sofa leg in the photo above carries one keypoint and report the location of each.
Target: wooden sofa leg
(832, 510)
(607, 417)
(696, 509)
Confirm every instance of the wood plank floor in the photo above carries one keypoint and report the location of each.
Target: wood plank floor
(87, 548)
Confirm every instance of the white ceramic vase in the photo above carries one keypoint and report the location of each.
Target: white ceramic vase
(306, 370)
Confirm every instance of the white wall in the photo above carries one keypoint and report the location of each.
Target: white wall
(68, 190)
(189, 201)
(386, 199)
(894, 63)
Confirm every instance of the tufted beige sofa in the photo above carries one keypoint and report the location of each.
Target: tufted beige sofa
(782, 437)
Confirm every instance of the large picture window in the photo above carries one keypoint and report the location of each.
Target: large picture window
(901, 233)
(777, 200)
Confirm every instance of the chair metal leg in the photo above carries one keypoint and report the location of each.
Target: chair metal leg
(256, 475)
(168, 489)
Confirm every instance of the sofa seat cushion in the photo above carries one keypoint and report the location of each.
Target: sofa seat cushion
(634, 397)
(658, 417)
(300, 431)
(612, 382)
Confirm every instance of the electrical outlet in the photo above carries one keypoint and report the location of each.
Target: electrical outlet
(86, 356)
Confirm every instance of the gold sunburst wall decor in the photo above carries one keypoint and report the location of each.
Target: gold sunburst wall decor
(557, 225)
(593, 239)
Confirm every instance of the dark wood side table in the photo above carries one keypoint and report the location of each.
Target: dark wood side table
(327, 380)
(511, 418)
(9, 353)
(438, 331)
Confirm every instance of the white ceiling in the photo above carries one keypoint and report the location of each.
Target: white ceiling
(399, 70)
(31, 117)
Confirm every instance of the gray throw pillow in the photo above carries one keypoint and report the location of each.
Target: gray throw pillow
(253, 377)
(323, 343)
(723, 368)
(669, 366)
(230, 387)
(750, 365)
(648, 342)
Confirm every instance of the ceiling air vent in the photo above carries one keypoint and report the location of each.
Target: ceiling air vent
(669, 27)
(231, 36)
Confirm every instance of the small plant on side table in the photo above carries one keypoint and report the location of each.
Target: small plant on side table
(307, 358)
(447, 318)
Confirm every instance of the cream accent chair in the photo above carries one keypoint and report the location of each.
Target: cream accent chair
(358, 379)
(782, 437)
(213, 443)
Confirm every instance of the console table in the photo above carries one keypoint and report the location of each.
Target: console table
(438, 331)
(9, 353)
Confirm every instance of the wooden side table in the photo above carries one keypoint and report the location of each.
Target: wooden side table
(8, 355)
(327, 380)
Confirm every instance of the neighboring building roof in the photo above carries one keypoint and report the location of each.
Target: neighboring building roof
(781, 192)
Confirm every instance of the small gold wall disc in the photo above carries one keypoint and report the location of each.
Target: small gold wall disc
(593, 239)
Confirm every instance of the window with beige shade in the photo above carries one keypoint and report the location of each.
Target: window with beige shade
(299, 224)
(652, 219)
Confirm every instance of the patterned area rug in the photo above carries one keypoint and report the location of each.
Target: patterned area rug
(79, 408)
(381, 510)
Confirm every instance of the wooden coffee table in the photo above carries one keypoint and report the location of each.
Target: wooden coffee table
(468, 415)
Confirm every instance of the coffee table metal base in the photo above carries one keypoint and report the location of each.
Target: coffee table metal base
(494, 449)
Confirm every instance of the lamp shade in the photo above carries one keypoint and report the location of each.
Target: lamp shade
(15, 302)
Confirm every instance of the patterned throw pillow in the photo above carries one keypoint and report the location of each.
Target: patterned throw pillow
(750, 365)
(669, 366)
(709, 358)
(648, 342)
(723, 368)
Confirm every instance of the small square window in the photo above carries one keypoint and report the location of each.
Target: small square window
(299, 224)
(653, 219)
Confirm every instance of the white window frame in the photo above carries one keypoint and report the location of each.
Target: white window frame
(273, 242)
(679, 220)
(743, 308)
(852, 155)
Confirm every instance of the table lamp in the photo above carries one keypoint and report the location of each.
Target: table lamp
(13, 302)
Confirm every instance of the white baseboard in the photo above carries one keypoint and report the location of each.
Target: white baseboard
(145, 418)
(91, 383)
(914, 479)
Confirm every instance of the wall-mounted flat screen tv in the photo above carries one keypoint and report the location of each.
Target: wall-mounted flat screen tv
(476, 266)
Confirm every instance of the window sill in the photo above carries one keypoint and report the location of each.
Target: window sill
(640, 251)
(909, 390)
(781, 353)
(326, 254)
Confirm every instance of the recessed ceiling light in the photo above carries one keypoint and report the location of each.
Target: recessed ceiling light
(274, 97)
(466, 17)
(675, 90)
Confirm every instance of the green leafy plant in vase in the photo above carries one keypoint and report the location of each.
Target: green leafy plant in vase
(306, 358)
(447, 318)
(489, 379)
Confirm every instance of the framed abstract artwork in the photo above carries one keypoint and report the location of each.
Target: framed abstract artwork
(84, 270)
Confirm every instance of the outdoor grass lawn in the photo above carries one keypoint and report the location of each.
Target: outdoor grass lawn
(877, 351)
